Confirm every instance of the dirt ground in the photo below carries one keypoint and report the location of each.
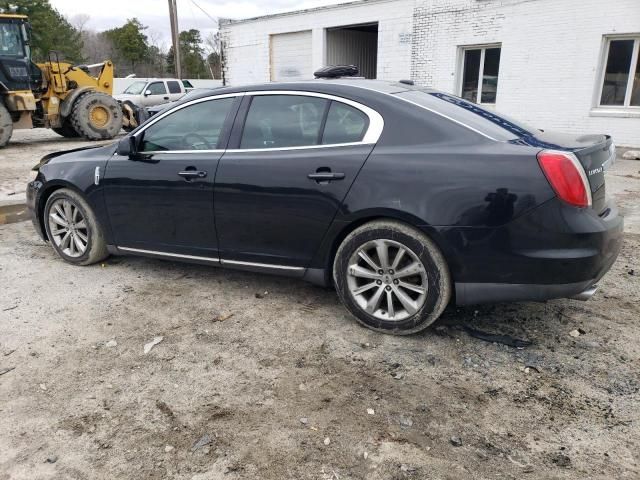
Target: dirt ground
(261, 377)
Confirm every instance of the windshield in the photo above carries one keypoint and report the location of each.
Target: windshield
(11, 40)
(135, 88)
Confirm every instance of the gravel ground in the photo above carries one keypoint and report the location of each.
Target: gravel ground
(261, 377)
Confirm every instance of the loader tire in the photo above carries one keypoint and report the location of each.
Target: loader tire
(66, 130)
(6, 125)
(96, 116)
(130, 111)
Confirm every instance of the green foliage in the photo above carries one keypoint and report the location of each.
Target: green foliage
(130, 42)
(192, 56)
(50, 30)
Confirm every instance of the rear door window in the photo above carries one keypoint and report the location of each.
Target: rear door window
(345, 124)
(281, 121)
(174, 86)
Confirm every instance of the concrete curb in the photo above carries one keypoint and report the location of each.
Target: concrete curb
(13, 212)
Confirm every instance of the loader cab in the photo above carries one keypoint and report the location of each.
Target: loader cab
(17, 71)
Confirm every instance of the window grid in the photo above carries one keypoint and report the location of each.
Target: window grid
(483, 49)
(632, 71)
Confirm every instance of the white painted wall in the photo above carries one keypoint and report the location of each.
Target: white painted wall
(550, 65)
(247, 42)
(120, 84)
(550, 60)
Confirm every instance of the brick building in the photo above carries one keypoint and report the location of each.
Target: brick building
(569, 65)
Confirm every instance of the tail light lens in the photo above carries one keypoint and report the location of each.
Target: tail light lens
(566, 176)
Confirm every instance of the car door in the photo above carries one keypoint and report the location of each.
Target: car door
(155, 94)
(175, 90)
(278, 190)
(161, 199)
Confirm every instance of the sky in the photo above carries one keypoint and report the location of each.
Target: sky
(155, 13)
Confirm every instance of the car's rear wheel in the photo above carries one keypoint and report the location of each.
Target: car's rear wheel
(392, 277)
(72, 228)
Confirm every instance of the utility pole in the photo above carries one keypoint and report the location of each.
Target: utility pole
(175, 36)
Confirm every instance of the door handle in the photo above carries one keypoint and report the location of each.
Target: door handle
(325, 176)
(189, 174)
(166, 98)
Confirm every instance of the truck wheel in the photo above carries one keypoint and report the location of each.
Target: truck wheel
(96, 116)
(130, 110)
(66, 130)
(6, 125)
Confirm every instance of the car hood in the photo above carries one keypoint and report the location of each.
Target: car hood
(125, 96)
(78, 154)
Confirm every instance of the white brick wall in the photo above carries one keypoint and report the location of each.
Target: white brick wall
(247, 42)
(550, 59)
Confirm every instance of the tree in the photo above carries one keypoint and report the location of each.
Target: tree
(213, 46)
(192, 55)
(79, 22)
(50, 30)
(97, 48)
(130, 42)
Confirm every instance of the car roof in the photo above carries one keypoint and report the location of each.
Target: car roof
(320, 85)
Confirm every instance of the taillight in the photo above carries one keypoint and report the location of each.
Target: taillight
(566, 176)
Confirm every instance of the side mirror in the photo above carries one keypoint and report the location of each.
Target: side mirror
(147, 93)
(127, 147)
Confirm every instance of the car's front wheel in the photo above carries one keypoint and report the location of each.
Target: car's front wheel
(72, 228)
(392, 277)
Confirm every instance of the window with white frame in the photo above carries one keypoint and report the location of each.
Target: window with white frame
(479, 77)
(620, 84)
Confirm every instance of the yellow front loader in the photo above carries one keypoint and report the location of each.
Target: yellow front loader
(64, 97)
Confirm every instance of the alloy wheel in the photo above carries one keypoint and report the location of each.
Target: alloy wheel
(68, 228)
(387, 280)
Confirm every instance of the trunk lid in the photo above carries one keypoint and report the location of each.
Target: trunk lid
(596, 153)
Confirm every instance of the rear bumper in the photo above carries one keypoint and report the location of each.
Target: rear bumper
(477, 293)
(556, 251)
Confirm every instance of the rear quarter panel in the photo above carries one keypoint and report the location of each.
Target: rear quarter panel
(444, 174)
(436, 175)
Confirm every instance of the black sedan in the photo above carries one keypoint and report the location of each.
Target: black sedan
(403, 198)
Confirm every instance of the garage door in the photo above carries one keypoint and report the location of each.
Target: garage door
(291, 56)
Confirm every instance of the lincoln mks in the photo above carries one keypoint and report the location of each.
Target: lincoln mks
(405, 199)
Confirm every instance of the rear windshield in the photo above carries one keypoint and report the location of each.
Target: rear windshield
(492, 124)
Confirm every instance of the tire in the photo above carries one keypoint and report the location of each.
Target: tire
(130, 110)
(6, 125)
(408, 296)
(96, 116)
(64, 203)
(66, 130)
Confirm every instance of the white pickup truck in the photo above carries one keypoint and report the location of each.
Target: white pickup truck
(154, 91)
